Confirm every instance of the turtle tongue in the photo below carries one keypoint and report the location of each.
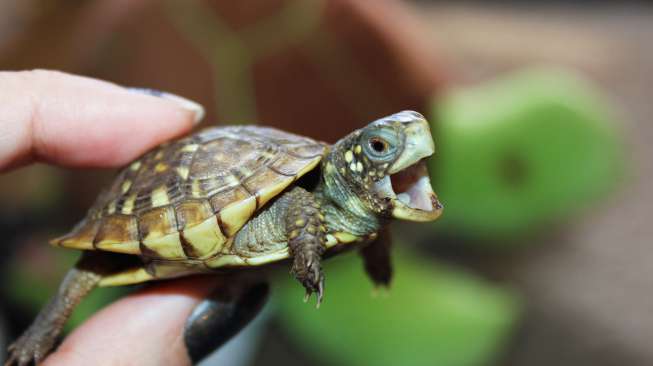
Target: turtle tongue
(414, 187)
(418, 195)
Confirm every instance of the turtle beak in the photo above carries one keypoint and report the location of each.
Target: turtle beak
(408, 184)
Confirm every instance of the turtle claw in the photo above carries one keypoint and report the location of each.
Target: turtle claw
(311, 277)
(318, 290)
(29, 349)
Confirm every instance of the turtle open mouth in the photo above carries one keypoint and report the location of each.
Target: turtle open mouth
(411, 193)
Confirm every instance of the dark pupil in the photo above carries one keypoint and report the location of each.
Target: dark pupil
(378, 145)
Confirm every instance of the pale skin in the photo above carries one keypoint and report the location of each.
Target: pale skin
(72, 121)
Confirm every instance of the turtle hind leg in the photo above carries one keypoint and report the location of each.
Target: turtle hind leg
(39, 339)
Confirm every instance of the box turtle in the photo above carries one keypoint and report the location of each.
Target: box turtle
(231, 198)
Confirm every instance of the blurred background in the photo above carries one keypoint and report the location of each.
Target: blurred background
(541, 114)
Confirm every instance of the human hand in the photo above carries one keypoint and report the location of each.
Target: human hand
(81, 122)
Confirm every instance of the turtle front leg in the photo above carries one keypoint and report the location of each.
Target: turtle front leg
(376, 258)
(39, 339)
(306, 239)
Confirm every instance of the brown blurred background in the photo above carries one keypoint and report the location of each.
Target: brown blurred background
(324, 67)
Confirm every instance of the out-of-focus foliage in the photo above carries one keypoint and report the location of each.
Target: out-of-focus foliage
(434, 314)
(520, 152)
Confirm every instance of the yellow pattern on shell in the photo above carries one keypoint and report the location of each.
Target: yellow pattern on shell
(166, 246)
(273, 190)
(196, 190)
(112, 207)
(125, 186)
(160, 167)
(235, 215)
(128, 247)
(206, 237)
(128, 277)
(160, 197)
(128, 206)
(183, 172)
(190, 148)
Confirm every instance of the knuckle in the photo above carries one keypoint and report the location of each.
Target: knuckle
(40, 74)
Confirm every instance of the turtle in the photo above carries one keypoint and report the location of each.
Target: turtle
(232, 198)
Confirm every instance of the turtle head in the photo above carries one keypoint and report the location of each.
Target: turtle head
(384, 165)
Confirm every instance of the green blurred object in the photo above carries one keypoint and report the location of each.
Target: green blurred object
(433, 315)
(522, 152)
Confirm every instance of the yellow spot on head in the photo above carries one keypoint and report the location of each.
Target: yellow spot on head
(160, 167)
(160, 197)
(300, 222)
(352, 166)
(358, 149)
(342, 171)
(359, 166)
(349, 156)
(125, 186)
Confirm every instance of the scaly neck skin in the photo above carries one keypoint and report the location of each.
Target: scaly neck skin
(343, 208)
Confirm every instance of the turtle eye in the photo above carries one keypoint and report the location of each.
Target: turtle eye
(378, 145)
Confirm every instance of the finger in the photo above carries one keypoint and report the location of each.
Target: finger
(142, 329)
(78, 121)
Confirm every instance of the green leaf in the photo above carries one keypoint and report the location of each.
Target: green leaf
(523, 151)
(434, 314)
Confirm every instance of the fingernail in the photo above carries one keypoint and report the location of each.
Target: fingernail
(221, 316)
(187, 104)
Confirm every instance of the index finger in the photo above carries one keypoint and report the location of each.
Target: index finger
(77, 121)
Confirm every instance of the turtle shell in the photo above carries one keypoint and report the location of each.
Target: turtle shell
(184, 201)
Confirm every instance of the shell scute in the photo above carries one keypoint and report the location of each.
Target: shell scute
(192, 212)
(81, 237)
(118, 233)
